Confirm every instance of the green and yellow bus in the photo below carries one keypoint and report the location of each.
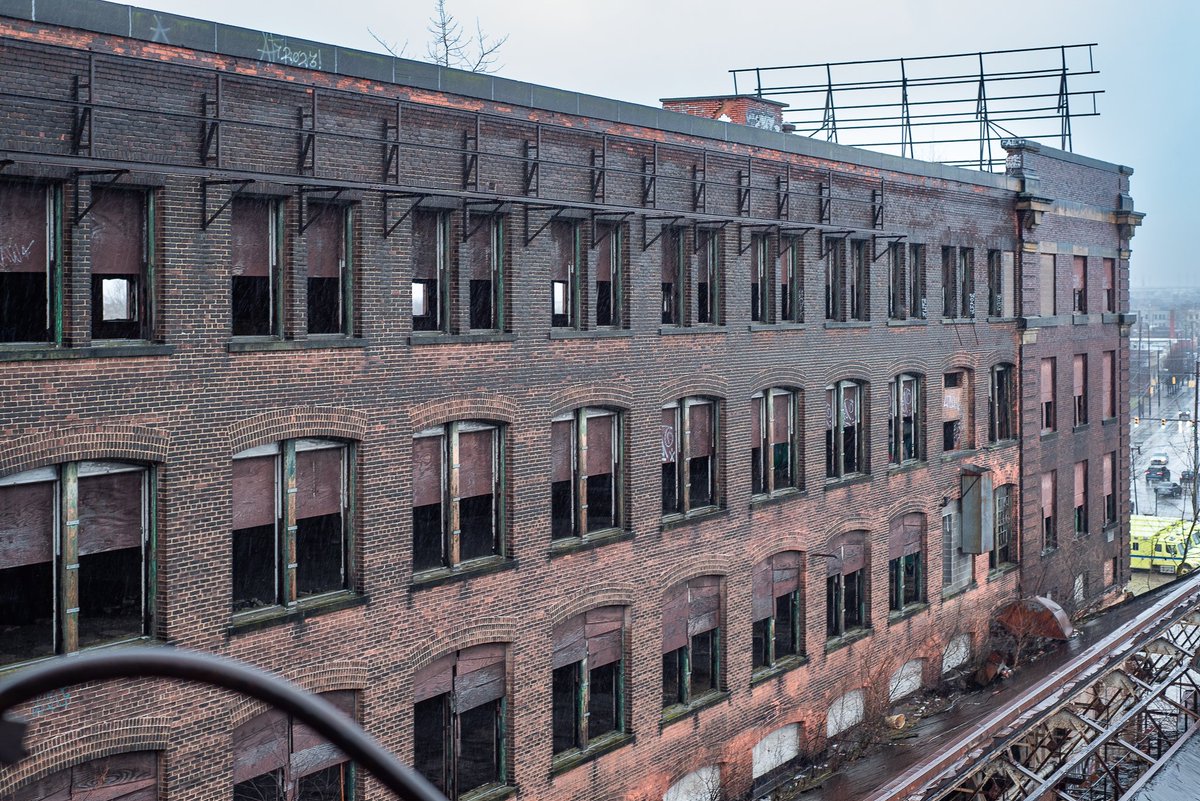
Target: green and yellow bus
(1160, 544)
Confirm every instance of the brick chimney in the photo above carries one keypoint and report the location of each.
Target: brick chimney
(757, 112)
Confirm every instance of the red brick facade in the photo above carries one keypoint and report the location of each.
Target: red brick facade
(189, 396)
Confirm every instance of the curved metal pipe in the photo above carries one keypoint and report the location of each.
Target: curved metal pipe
(129, 663)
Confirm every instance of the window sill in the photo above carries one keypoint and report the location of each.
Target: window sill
(678, 712)
(1109, 421)
(702, 328)
(41, 352)
(1080, 427)
(588, 542)
(906, 467)
(491, 792)
(777, 497)
(906, 322)
(958, 321)
(849, 638)
(1041, 322)
(1048, 436)
(1002, 443)
(846, 481)
(591, 333)
(781, 666)
(141, 640)
(459, 339)
(1084, 319)
(951, 456)
(605, 744)
(437, 576)
(780, 326)
(261, 345)
(898, 616)
(1110, 318)
(992, 319)
(1110, 531)
(1000, 572)
(847, 323)
(1049, 551)
(677, 520)
(245, 622)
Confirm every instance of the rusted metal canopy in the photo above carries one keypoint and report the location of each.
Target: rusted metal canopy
(1038, 616)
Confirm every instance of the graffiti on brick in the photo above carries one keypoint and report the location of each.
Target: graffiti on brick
(158, 33)
(275, 50)
(52, 702)
(14, 253)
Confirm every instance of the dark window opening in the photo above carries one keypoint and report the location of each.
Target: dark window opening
(119, 248)
(835, 279)
(904, 582)
(255, 256)
(761, 303)
(608, 274)
(600, 508)
(427, 536)
(896, 281)
(477, 524)
(704, 663)
(708, 281)
(1001, 404)
(26, 611)
(267, 787)
(565, 705)
(479, 751)
(673, 664)
(790, 283)
(27, 257)
(329, 784)
(476, 446)
(845, 602)
(319, 555)
(843, 429)
(916, 282)
(672, 270)
(670, 491)
(860, 282)
(604, 710)
(1004, 548)
(760, 635)
(110, 596)
(564, 277)
(785, 626)
(431, 247)
(585, 447)
(485, 276)
(324, 305)
(700, 478)
(562, 510)
(254, 567)
(905, 438)
(431, 722)
(481, 304)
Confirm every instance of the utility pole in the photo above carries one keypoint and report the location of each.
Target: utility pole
(1195, 437)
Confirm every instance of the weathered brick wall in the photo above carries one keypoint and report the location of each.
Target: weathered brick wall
(190, 409)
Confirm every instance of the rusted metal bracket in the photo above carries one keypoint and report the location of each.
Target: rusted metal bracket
(890, 239)
(303, 193)
(830, 237)
(668, 222)
(116, 176)
(205, 218)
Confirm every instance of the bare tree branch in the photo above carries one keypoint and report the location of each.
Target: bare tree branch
(391, 48)
(447, 47)
(485, 59)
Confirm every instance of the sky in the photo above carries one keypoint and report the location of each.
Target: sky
(644, 50)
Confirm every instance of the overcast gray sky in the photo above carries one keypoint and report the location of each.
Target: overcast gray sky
(643, 50)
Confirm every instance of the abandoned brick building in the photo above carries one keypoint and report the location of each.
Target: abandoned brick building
(578, 449)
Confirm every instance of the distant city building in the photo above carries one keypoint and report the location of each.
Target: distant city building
(577, 449)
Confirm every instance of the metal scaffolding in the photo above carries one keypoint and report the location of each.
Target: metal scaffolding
(943, 103)
(1104, 738)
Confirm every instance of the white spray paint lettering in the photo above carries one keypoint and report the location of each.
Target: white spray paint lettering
(12, 253)
(275, 50)
(55, 702)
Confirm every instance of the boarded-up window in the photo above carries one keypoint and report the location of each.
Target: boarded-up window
(776, 612)
(118, 248)
(1049, 413)
(484, 274)
(1046, 288)
(253, 251)
(326, 235)
(1079, 284)
(607, 269)
(27, 514)
(320, 493)
(1081, 518)
(255, 511)
(25, 255)
(1109, 284)
(1049, 521)
(691, 624)
(430, 243)
(1108, 383)
(121, 777)
(1110, 489)
(1079, 383)
(111, 542)
(671, 294)
(458, 462)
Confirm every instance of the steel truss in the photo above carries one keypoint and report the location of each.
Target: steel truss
(586, 174)
(957, 99)
(1107, 736)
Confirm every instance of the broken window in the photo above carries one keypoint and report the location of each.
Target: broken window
(29, 282)
(906, 434)
(131, 776)
(790, 280)
(1079, 284)
(906, 568)
(1047, 291)
(1109, 284)
(585, 488)
(564, 275)
(1048, 394)
(284, 551)
(777, 616)
(845, 443)
(1004, 545)
(762, 304)
(256, 244)
(278, 758)
(916, 282)
(673, 260)
(120, 249)
(609, 247)
(486, 274)
(1001, 284)
(456, 494)
(431, 259)
(1002, 400)
(775, 462)
(76, 532)
(949, 281)
(1049, 507)
(1108, 385)
(896, 281)
(1079, 382)
(588, 681)
(958, 282)
(846, 586)
(689, 450)
(958, 423)
(329, 274)
(691, 641)
(835, 278)
(1081, 498)
(708, 278)
(860, 281)
(459, 710)
(1110, 489)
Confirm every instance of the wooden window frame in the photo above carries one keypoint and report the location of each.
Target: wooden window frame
(346, 265)
(683, 456)
(764, 463)
(835, 428)
(895, 429)
(579, 472)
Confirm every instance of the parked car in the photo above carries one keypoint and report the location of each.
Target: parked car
(1159, 460)
(1157, 472)
(1187, 476)
(1168, 489)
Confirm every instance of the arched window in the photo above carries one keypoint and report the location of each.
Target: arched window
(586, 490)
(588, 681)
(845, 429)
(906, 562)
(847, 606)
(777, 610)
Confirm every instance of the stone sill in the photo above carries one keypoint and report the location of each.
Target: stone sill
(911, 610)
(435, 577)
(678, 712)
(905, 323)
(258, 619)
(781, 666)
(40, 352)
(604, 744)
(702, 328)
(849, 638)
(779, 496)
(677, 520)
(831, 324)
(596, 539)
(591, 333)
(459, 339)
(261, 345)
(783, 325)
(846, 481)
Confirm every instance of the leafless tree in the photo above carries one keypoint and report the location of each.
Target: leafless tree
(450, 46)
